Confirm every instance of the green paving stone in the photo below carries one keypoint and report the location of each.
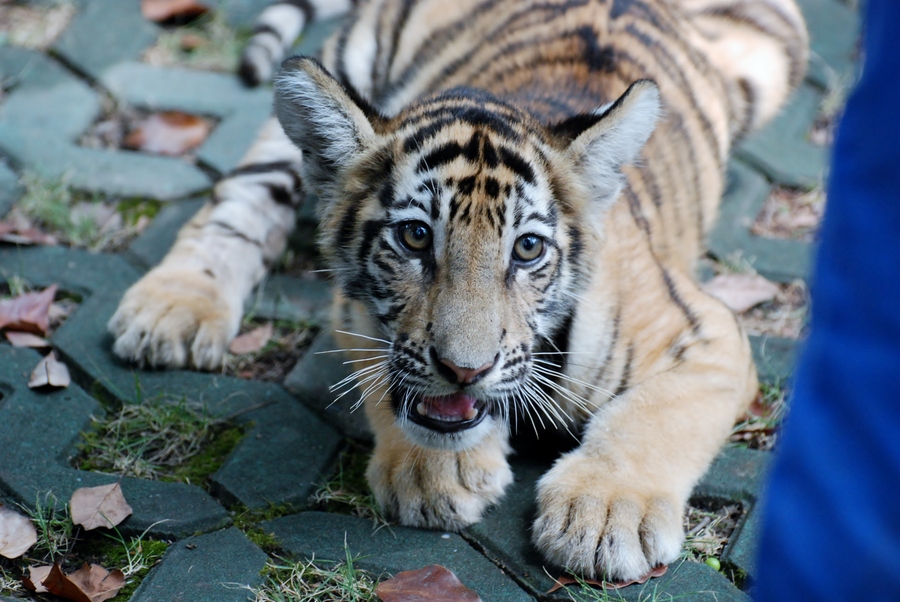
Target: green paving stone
(736, 474)
(777, 259)
(833, 33)
(239, 13)
(231, 138)
(282, 456)
(282, 460)
(310, 43)
(103, 33)
(390, 550)
(154, 242)
(121, 173)
(10, 190)
(21, 68)
(39, 127)
(288, 298)
(198, 92)
(310, 380)
(774, 357)
(40, 430)
(741, 550)
(58, 112)
(217, 567)
(782, 150)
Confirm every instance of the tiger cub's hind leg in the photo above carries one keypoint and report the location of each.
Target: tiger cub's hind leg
(186, 310)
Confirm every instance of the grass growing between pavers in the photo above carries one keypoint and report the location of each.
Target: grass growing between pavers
(61, 541)
(315, 581)
(348, 491)
(80, 219)
(207, 43)
(248, 521)
(708, 526)
(161, 440)
(758, 429)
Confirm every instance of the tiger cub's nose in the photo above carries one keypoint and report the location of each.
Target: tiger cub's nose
(465, 376)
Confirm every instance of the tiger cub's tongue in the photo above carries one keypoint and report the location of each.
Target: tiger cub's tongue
(458, 406)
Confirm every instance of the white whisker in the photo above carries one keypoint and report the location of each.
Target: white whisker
(363, 336)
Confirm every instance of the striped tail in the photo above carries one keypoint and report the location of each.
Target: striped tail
(277, 28)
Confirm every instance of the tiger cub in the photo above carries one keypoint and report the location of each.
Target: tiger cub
(512, 198)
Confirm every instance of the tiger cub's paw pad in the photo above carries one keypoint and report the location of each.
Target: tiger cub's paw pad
(172, 319)
(602, 529)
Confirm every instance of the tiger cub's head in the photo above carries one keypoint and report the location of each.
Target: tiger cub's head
(467, 228)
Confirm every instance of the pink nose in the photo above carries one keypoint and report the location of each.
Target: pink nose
(466, 376)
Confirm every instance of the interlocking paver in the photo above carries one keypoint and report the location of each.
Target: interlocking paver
(294, 433)
(39, 432)
(389, 550)
(217, 567)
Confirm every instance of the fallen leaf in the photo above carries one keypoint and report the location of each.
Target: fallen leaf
(89, 583)
(102, 506)
(50, 372)
(433, 583)
(17, 235)
(35, 581)
(251, 341)
(163, 10)
(27, 312)
(26, 339)
(169, 133)
(740, 292)
(565, 580)
(17, 533)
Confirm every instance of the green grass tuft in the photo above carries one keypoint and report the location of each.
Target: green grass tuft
(159, 439)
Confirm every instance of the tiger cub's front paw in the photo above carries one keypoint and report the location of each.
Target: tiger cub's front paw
(172, 318)
(601, 525)
(438, 489)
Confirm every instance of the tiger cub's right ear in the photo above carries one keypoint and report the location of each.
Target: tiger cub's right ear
(326, 121)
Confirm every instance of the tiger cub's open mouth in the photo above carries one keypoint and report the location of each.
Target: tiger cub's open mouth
(448, 413)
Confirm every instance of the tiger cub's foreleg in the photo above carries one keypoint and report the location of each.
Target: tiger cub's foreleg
(186, 310)
(613, 507)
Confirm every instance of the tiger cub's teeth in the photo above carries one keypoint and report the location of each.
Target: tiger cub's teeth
(421, 409)
(471, 414)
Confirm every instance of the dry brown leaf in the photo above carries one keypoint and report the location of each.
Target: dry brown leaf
(27, 312)
(163, 10)
(740, 292)
(94, 581)
(26, 339)
(434, 583)
(35, 581)
(50, 372)
(252, 341)
(565, 580)
(18, 235)
(17, 533)
(102, 506)
(169, 133)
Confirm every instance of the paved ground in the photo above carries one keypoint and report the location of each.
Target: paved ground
(51, 98)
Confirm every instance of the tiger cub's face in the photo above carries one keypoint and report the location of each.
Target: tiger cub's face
(466, 228)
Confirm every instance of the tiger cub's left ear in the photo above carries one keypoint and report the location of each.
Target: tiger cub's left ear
(327, 122)
(602, 142)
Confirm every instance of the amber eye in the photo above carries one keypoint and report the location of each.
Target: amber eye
(528, 248)
(415, 236)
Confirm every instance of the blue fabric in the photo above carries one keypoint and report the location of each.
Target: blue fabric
(831, 522)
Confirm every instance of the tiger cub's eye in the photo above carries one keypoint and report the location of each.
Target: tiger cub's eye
(528, 248)
(415, 236)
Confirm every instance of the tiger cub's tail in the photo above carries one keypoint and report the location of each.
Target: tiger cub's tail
(277, 28)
